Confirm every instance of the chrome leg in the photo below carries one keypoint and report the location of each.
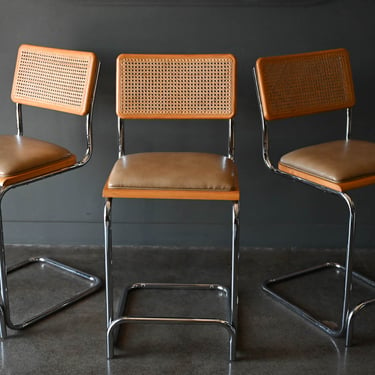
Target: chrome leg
(108, 275)
(3, 327)
(3, 282)
(347, 269)
(348, 264)
(94, 284)
(234, 278)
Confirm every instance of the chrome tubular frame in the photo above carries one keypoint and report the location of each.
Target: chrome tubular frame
(89, 146)
(19, 119)
(348, 313)
(113, 323)
(231, 139)
(347, 270)
(93, 282)
(121, 137)
(348, 124)
(108, 274)
(357, 309)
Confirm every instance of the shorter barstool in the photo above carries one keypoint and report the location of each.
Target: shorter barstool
(174, 87)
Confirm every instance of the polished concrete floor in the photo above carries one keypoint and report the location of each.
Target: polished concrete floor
(272, 340)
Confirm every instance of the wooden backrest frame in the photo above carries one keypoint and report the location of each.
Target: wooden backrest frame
(57, 79)
(307, 83)
(176, 86)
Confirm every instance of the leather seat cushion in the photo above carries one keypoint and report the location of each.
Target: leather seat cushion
(19, 154)
(336, 161)
(174, 170)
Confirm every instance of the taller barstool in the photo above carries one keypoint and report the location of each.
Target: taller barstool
(306, 84)
(58, 80)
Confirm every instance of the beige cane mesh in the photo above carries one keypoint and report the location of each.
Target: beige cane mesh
(53, 78)
(175, 86)
(302, 84)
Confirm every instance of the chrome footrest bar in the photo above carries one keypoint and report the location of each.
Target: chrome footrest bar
(347, 328)
(168, 286)
(166, 320)
(113, 328)
(95, 284)
(217, 287)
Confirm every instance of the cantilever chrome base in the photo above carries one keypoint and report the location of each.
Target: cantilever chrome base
(112, 330)
(94, 283)
(348, 321)
(232, 295)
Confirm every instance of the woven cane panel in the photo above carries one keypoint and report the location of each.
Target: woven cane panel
(303, 84)
(190, 86)
(55, 79)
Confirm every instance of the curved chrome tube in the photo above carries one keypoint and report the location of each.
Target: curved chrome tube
(351, 319)
(89, 116)
(94, 284)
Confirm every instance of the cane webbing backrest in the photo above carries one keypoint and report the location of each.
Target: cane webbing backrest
(56, 79)
(176, 86)
(301, 84)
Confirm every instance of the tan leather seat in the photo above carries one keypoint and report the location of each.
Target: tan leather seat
(22, 158)
(174, 170)
(341, 165)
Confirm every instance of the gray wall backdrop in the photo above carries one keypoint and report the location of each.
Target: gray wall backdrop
(274, 211)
